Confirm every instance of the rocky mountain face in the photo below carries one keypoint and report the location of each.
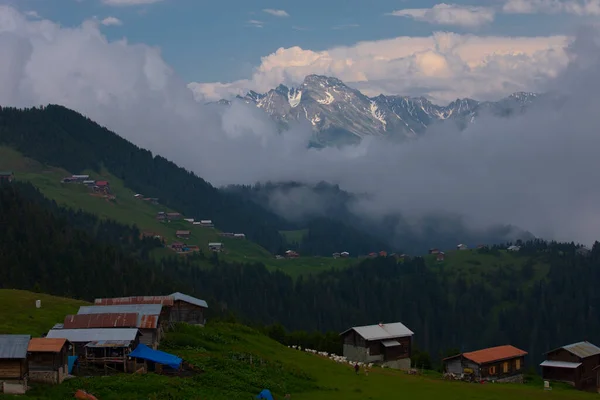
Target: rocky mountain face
(340, 114)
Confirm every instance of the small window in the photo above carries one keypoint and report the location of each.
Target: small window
(505, 367)
(518, 364)
(492, 370)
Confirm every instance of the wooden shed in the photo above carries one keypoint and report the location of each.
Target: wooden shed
(387, 344)
(13, 363)
(573, 364)
(500, 364)
(146, 317)
(187, 309)
(48, 360)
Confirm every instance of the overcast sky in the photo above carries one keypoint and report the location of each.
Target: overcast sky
(537, 171)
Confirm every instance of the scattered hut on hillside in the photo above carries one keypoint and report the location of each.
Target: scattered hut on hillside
(148, 318)
(48, 360)
(462, 247)
(183, 234)
(388, 344)
(6, 176)
(13, 363)
(216, 247)
(103, 347)
(500, 364)
(576, 364)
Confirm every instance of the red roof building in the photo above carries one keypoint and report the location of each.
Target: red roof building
(501, 364)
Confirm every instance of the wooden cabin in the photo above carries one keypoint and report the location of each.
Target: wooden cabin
(13, 363)
(386, 344)
(498, 364)
(48, 360)
(187, 309)
(575, 364)
(148, 318)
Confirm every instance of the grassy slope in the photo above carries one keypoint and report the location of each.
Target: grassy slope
(129, 210)
(223, 351)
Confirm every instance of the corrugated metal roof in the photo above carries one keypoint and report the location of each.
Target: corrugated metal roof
(101, 320)
(582, 349)
(494, 354)
(559, 364)
(189, 299)
(147, 321)
(382, 331)
(46, 345)
(390, 343)
(94, 334)
(142, 309)
(109, 343)
(164, 300)
(14, 346)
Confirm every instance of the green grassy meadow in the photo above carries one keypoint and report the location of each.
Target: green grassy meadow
(237, 362)
(127, 209)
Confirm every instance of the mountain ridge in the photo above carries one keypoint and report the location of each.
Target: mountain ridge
(340, 114)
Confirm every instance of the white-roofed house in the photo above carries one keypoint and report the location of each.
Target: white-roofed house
(386, 344)
(576, 364)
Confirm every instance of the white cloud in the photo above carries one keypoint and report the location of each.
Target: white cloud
(255, 23)
(129, 2)
(450, 14)
(111, 21)
(277, 13)
(575, 7)
(536, 171)
(444, 66)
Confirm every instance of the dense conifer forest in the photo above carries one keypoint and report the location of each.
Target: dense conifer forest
(548, 298)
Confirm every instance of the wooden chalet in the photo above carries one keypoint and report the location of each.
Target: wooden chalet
(434, 251)
(6, 176)
(183, 234)
(216, 247)
(462, 247)
(48, 360)
(148, 318)
(576, 364)
(101, 347)
(13, 363)
(206, 223)
(386, 344)
(176, 307)
(499, 364)
(172, 216)
(441, 256)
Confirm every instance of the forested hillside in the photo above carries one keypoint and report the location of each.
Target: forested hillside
(539, 298)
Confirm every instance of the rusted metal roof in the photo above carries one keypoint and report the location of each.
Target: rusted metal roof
(494, 354)
(107, 320)
(147, 321)
(14, 346)
(164, 300)
(142, 309)
(46, 345)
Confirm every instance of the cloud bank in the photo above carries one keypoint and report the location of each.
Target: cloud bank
(449, 14)
(444, 66)
(537, 171)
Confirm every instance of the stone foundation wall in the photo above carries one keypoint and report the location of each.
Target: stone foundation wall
(50, 377)
(398, 364)
(509, 379)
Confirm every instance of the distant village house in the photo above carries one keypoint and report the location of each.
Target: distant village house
(6, 176)
(239, 236)
(173, 216)
(13, 363)
(441, 256)
(291, 254)
(462, 247)
(216, 247)
(336, 255)
(183, 234)
(576, 364)
(386, 344)
(206, 223)
(499, 364)
(513, 248)
(345, 254)
(434, 251)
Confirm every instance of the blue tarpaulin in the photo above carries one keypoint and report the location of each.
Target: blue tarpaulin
(71, 362)
(146, 353)
(265, 394)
